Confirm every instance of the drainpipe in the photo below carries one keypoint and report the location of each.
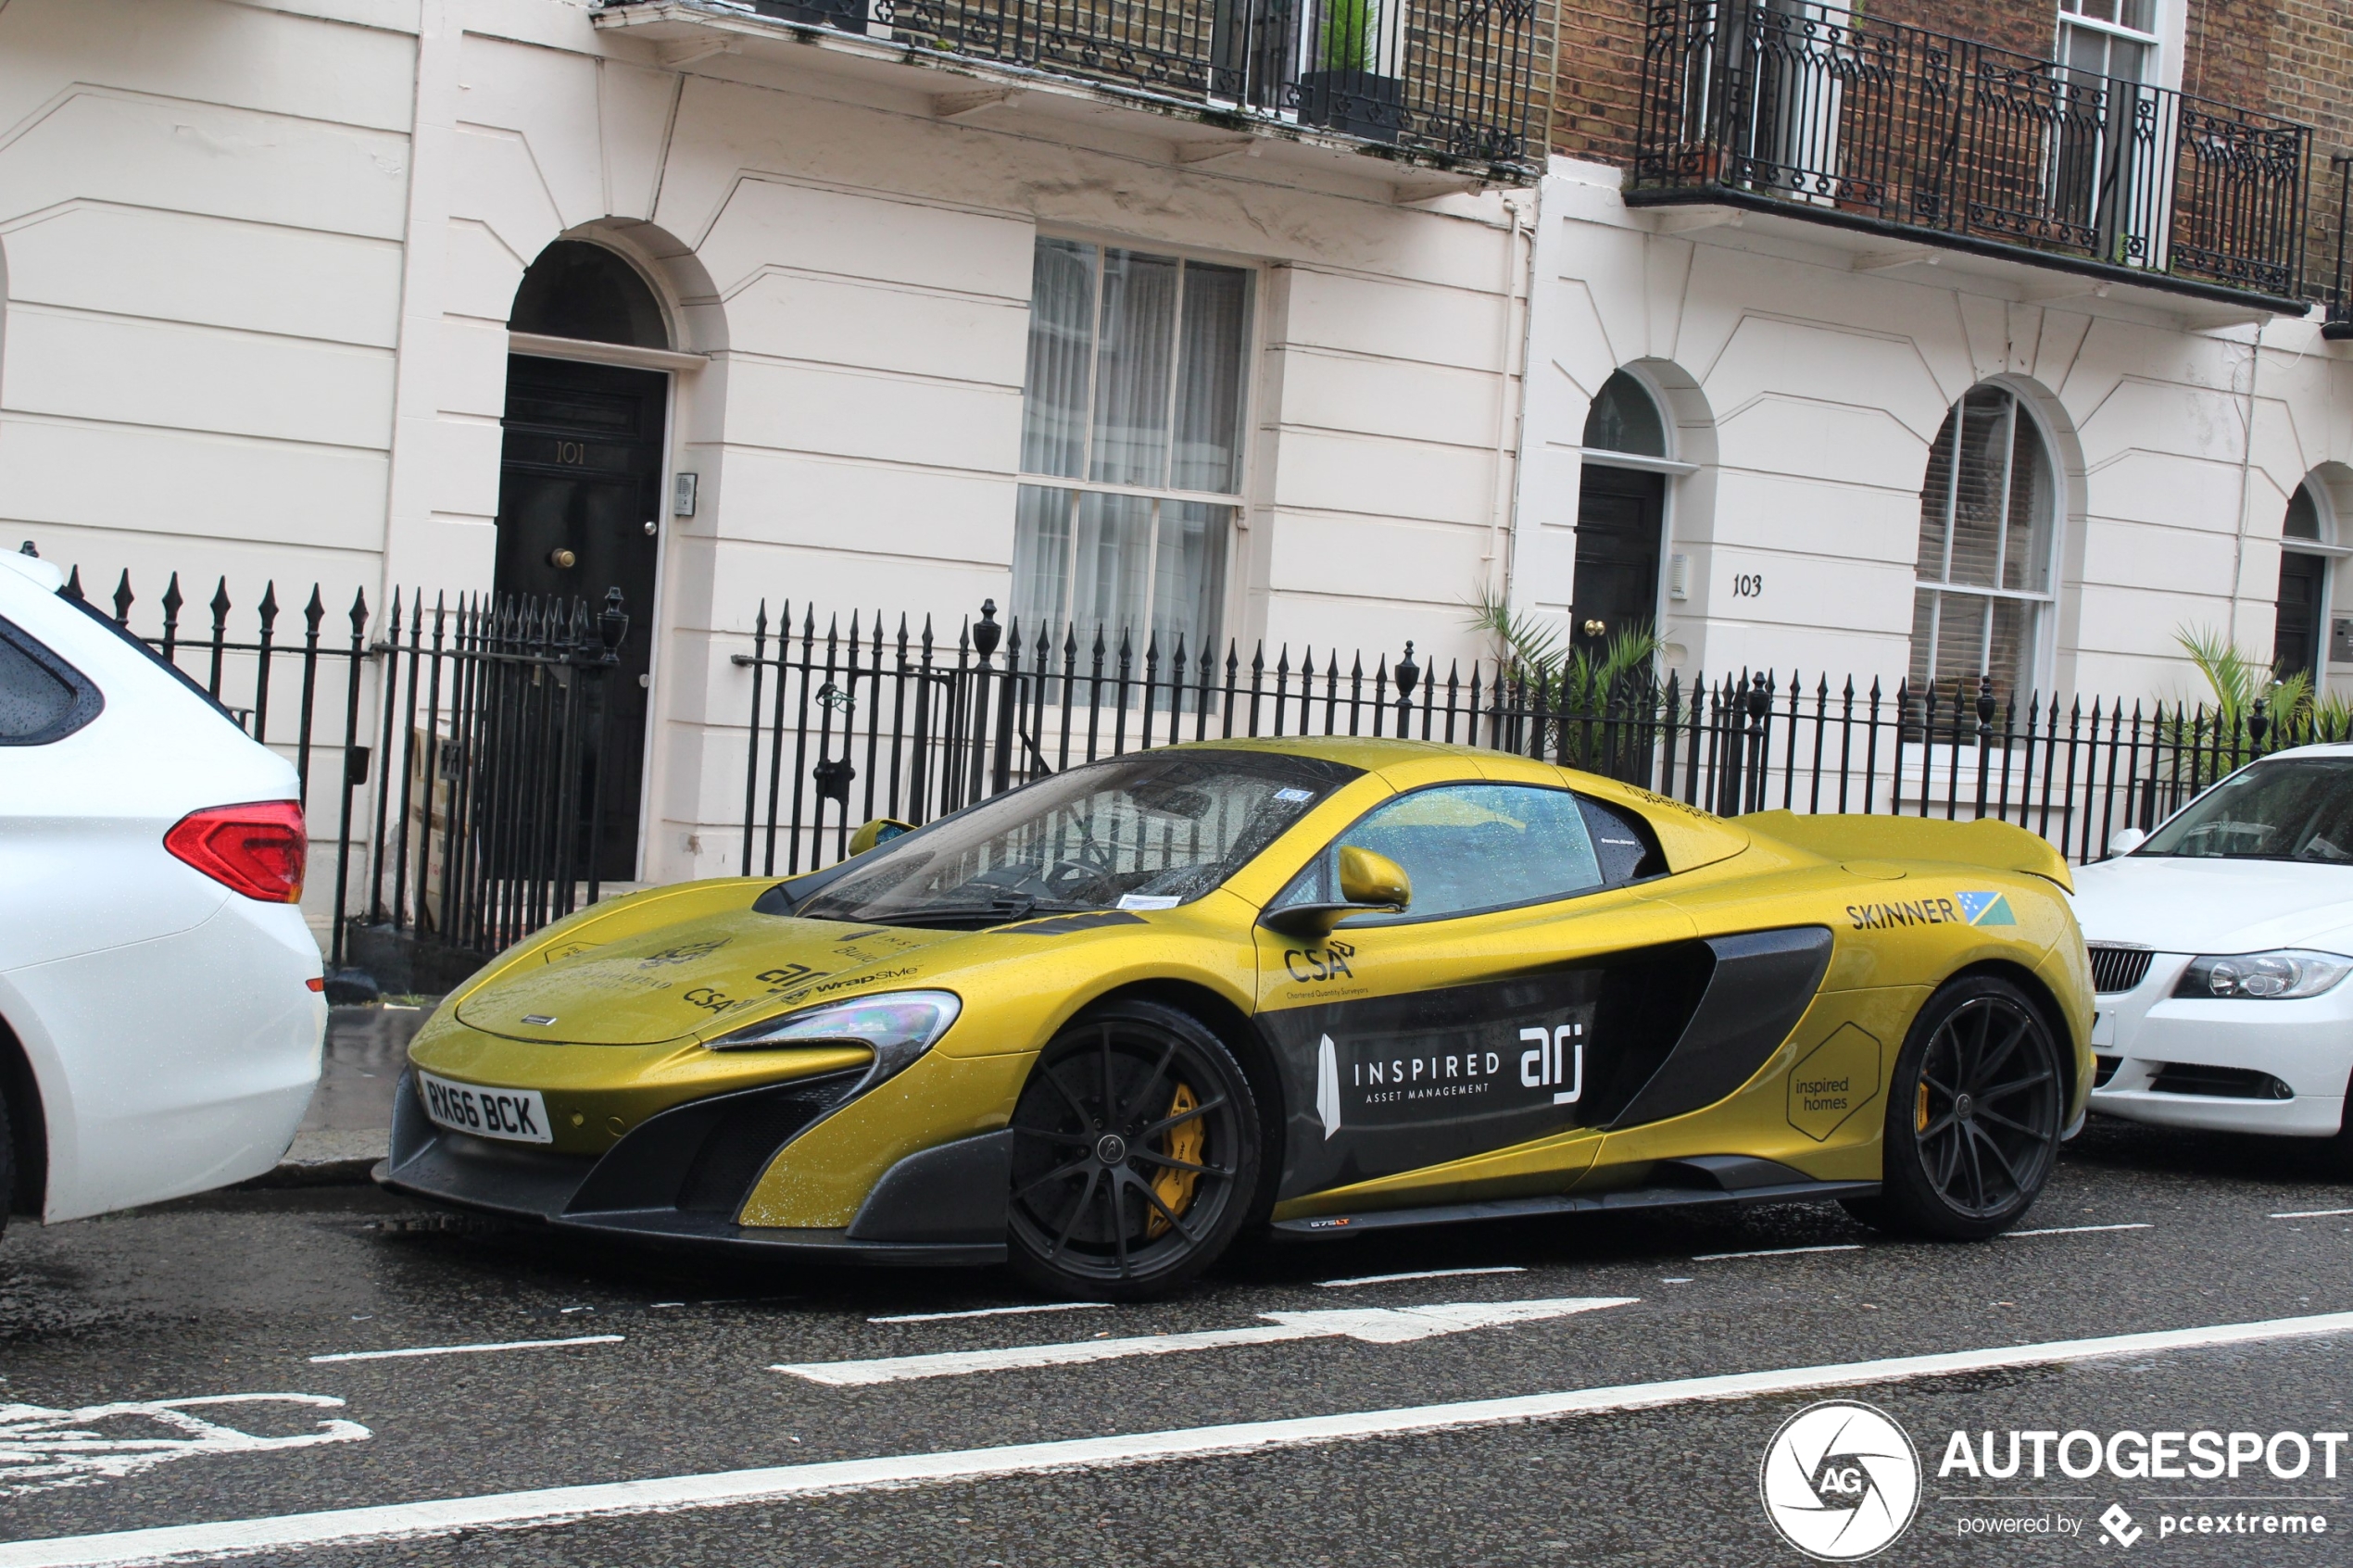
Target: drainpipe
(2246, 466)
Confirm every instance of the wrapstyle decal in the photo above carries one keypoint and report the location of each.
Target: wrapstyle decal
(1390, 1083)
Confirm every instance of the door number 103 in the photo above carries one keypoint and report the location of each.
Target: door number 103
(1748, 585)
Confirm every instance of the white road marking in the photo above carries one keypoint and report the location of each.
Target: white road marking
(466, 1350)
(41, 1449)
(994, 1312)
(2312, 1213)
(725, 1488)
(1778, 1252)
(2080, 1230)
(1379, 1325)
(1422, 1274)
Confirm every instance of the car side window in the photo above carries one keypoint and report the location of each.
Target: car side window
(1471, 846)
(43, 698)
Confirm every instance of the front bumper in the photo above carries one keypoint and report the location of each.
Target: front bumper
(682, 1176)
(2283, 1066)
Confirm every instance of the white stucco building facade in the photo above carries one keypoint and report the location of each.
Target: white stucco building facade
(1804, 375)
(260, 262)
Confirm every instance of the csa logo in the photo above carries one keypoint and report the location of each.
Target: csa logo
(1985, 909)
(1839, 1481)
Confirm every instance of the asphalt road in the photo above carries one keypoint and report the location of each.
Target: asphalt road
(236, 1294)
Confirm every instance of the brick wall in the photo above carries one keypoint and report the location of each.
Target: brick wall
(2289, 57)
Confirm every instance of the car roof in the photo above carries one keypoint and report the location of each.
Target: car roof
(33, 569)
(2326, 749)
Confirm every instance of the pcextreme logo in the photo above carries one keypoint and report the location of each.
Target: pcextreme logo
(1839, 1481)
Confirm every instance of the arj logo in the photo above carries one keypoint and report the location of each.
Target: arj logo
(1841, 1480)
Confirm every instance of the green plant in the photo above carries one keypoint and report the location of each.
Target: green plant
(1614, 683)
(2293, 712)
(1346, 39)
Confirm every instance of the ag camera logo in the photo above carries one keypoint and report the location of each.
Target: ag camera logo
(1839, 1481)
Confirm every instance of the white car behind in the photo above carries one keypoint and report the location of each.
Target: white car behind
(160, 997)
(2220, 948)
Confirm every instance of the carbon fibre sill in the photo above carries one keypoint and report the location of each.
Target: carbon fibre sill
(1322, 1225)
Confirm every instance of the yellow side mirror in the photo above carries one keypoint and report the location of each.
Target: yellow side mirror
(1374, 881)
(1367, 882)
(882, 829)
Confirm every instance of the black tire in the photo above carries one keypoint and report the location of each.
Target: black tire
(8, 1161)
(1973, 1116)
(1136, 1156)
(2340, 1147)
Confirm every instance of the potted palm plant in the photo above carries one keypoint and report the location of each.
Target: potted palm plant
(1345, 88)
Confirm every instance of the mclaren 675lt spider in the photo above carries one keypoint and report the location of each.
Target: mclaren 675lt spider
(1100, 1026)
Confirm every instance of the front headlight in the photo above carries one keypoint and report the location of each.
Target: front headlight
(899, 1025)
(2275, 976)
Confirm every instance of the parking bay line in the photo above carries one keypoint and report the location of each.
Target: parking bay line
(1380, 1325)
(2312, 1213)
(728, 1488)
(1778, 1252)
(1418, 1274)
(2080, 1230)
(467, 1349)
(993, 1312)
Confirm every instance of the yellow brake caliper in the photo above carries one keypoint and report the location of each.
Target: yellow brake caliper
(1922, 1123)
(1185, 1141)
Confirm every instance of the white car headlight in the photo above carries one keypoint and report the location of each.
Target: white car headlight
(899, 1025)
(2276, 976)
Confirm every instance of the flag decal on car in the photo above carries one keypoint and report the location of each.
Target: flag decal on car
(1985, 909)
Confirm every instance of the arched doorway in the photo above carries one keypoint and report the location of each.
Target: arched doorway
(1620, 511)
(2298, 636)
(580, 488)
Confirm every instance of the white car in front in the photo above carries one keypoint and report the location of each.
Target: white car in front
(2221, 946)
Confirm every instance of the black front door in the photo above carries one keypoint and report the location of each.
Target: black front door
(2295, 638)
(579, 504)
(1617, 529)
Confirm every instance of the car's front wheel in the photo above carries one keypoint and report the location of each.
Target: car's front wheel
(1974, 1115)
(1135, 1154)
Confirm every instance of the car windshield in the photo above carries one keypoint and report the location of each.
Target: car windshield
(2289, 808)
(1147, 831)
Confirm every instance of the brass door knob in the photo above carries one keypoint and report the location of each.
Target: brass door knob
(1595, 628)
(562, 560)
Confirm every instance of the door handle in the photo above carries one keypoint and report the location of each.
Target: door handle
(562, 559)
(1595, 628)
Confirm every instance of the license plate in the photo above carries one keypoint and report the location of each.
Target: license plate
(519, 1115)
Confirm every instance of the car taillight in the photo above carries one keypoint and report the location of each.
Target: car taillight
(258, 849)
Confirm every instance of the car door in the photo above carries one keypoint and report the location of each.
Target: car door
(1477, 1020)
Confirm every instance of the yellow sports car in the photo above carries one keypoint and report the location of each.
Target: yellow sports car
(1100, 1026)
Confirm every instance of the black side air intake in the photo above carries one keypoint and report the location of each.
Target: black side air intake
(1761, 986)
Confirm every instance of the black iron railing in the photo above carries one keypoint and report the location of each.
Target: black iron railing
(1455, 79)
(1858, 120)
(451, 769)
(850, 723)
(450, 766)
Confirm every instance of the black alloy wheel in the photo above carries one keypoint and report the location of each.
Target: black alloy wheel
(1135, 1154)
(1974, 1115)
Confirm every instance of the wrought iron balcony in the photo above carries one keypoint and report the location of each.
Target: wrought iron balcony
(1803, 107)
(1450, 81)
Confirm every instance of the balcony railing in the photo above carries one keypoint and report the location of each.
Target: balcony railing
(1873, 124)
(1453, 80)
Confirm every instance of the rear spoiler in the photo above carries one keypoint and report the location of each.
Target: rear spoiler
(2000, 845)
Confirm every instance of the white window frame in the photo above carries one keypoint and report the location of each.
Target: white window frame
(1236, 503)
(2038, 641)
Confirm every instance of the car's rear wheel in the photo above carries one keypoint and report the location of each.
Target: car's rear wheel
(1135, 1154)
(1973, 1116)
(7, 1159)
